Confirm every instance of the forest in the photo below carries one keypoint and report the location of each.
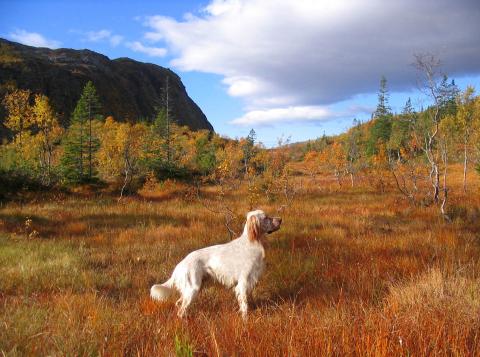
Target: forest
(122, 155)
(378, 253)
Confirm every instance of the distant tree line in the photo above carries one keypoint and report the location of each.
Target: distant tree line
(411, 150)
(96, 150)
(411, 146)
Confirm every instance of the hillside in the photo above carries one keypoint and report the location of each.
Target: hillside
(128, 90)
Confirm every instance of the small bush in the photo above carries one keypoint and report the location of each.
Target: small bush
(464, 214)
(12, 182)
(182, 347)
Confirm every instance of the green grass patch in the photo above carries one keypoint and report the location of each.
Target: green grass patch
(35, 266)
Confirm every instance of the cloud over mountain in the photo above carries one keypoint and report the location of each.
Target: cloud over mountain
(32, 39)
(280, 54)
(103, 35)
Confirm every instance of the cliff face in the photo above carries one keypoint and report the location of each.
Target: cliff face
(128, 90)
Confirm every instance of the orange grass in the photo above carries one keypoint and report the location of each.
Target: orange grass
(351, 272)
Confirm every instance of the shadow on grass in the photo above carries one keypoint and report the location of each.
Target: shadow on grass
(37, 226)
(112, 221)
(331, 270)
(26, 224)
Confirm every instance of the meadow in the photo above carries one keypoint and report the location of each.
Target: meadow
(352, 271)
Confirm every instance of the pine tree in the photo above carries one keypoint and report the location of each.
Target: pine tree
(408, 108)
(252, 137)
(383, 107)
(401, 129)
(164, 120)
(448, 93)
(382, 126)
(248, 148)
(155, 148)
(205, 154)
(80, 143)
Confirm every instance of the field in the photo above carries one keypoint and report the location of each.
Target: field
(351, 272)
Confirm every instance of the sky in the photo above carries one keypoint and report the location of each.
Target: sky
(291, 69)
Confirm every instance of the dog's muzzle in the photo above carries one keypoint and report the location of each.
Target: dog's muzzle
(276, 222)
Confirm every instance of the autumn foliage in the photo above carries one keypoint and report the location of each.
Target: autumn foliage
(363, 265)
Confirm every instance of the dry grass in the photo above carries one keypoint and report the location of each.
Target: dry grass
(351, 272)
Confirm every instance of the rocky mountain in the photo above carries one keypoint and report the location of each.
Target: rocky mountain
(128, 90)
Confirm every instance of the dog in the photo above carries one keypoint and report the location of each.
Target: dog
(238, 263)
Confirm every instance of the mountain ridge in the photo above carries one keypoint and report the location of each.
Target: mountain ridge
(129, 90)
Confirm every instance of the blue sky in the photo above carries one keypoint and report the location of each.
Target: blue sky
(286, 68)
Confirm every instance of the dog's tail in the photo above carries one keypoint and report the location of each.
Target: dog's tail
(162, 292)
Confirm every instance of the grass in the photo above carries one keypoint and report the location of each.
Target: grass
(351, 272)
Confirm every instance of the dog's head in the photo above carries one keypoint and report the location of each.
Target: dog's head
(258, 224)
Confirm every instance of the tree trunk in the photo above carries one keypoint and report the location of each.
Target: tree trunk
(337, 176)
(169, 156)
(89, 142)
(127, 173)
(465, 160)
(49, 162)
(445, 189)
(414, 180)
(81, 151)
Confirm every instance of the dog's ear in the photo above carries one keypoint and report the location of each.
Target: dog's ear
(253, 228)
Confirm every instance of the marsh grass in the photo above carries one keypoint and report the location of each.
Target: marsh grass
(351, 272)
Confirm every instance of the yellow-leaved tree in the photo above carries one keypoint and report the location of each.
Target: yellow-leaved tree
(19, 112)
(380, 167)
(49, 133)
(30, 152)
(333, 157)
(465, 125)
(121, 152)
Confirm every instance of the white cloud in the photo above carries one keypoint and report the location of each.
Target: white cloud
(292, 53)
(103, 35)
(153, 36)
(284, 115)
(33, 39)
(96, 36)
(150, 51)
(295, 114)
(115, 40)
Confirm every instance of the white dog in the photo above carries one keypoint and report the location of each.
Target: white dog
(237, 263)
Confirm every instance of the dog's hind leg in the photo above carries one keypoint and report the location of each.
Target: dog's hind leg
(241, 292)
(192, 286)
(186, 300)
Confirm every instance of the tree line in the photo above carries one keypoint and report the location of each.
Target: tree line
(410, 150)
(412, 147)
(93, 149)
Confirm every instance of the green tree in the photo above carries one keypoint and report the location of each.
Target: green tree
(382, 125)
(164, 121)
(73, 159)
(80, 143)
(205, 154)
(383, 108)
(248, 149)
(161, 149)
(447, 97)
(353, 144)
(401, 130)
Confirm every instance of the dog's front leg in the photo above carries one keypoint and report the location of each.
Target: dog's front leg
(242, 297)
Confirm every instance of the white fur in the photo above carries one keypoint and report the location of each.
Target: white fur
(237, 263)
